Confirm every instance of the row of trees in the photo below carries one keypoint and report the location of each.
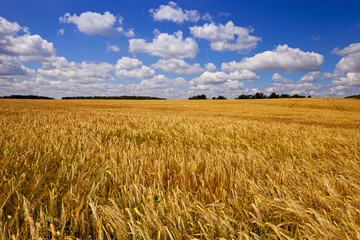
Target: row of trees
(116, 97)
(204, 97)
(26, 97)
(354, 96)
(258, 95)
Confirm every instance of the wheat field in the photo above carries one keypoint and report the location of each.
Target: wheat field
(206, 169)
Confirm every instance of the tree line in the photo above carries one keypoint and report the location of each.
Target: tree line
(258, 95)
(354, 96)
(115, 97)
(26, 97)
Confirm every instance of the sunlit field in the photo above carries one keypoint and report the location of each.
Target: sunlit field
(202, 169)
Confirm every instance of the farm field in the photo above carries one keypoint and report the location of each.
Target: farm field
(180, 169)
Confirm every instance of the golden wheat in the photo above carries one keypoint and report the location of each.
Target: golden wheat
(235, 169)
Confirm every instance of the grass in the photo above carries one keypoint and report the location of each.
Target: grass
(235, 169)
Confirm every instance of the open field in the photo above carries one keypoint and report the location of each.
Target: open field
(206, 169)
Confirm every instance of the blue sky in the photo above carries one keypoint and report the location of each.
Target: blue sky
(176, 49)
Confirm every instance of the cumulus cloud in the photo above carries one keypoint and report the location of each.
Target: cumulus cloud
(92, 23)
(213, 78)
(210, 67)
(172, 12)
(8, 28)
(132, 67)
(349, 63)
(112, 48)
(349, 66)
(206, 17)
(283, 58)
(226, 37)
(11, 66)
(160, 81)
(177, 66)
(302, 88)
(221, 83)
(352, 48)
(218, 89)
(166, 45)
(26, 47)
(350, 79)
(129, 33)
(280, 79)
(312, 76)
(85, 72)
(229, 88)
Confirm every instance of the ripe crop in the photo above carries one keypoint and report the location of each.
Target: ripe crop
(206, 169)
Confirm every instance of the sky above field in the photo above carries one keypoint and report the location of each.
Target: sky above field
(177, 49)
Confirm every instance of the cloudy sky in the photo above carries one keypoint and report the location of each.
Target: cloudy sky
(177, 49)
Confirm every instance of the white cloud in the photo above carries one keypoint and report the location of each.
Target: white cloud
(283, 58)
(132, 67)
(243, 75)
(8, 28)
(128, 63)
(210, 78)
(312, 76)
(210, 67)
(85, 72)
(92, 23)
(229, 88)
(349, 63)
(220, 83)
(226, 37)
(27, 47)
(206, 17)
(166, 45)
(352, 48)
(160, 81)
(280, 79)
(172, 12)
(11, 66)
(302, 88)
(350, 79)
(227, 85)
(129, 33)
(112, 48)
(177, 66)
(61, 31)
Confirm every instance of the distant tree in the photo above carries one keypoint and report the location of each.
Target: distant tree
(198, 97)
(309, 96)
(26, 97)
(221, 97)
(297, 96)
(354, 96)
(115, 97)
(213, 98)
(259, 95)
(274, 95)
(243, 96)
(285, 95)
